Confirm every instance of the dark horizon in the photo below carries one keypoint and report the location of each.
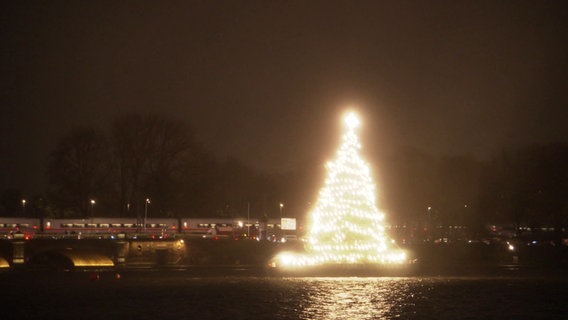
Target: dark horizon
(267, 82)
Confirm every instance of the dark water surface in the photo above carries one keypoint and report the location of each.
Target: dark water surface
(185, 295)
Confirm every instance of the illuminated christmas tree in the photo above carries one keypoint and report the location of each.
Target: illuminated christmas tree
(346, 227)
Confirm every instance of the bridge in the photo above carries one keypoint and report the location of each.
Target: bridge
(90, 253)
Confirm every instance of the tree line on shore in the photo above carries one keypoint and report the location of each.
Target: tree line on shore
(154, 163)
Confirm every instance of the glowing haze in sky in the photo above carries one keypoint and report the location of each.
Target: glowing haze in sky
(259, 79)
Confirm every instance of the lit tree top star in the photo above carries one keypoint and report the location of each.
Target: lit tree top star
(352, 121)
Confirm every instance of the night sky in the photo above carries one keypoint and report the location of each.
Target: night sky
(267, 81)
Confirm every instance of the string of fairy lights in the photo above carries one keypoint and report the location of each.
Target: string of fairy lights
(346, 226)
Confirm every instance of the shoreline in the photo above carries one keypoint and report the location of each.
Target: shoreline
(512, 271)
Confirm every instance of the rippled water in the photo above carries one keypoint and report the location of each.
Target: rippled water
(423, 298)
(179, 295)
(348, 298)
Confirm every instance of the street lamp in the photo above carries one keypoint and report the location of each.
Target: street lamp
(248, 219)
(23, 206)
(281, 229)
(429, 223)
(92, 207)
(146, 212)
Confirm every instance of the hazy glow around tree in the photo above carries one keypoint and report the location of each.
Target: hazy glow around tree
(345, 225)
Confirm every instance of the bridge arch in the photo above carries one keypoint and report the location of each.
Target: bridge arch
(69, 259)
(4, 263)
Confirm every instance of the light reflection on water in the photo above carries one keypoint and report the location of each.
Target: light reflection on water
(423, 298)
(181, 295)
(352, 298)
